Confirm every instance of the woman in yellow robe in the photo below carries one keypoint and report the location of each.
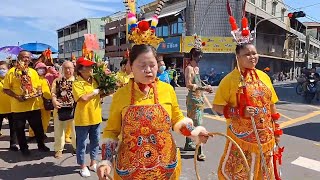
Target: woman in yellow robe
(41, 68)
(138, 130)
(238, 109)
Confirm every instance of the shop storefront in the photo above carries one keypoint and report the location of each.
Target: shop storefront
(218, 53)
(170, 51)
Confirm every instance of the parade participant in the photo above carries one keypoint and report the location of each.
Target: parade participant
(5, 109)
(63, 101)
(23, 85)
(247, 99)
(124, 75)
(173, 75)
(162, 73)
(88, 115)
(41, 68)
(46, 58)
(52, 74)
(195, 99)
(143, 114)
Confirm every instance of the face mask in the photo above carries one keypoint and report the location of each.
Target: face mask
(41, 71)
(162, 68)
(3, 72)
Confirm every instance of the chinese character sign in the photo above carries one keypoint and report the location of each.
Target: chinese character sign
(91, 42)
(213, 44)
(170, 45)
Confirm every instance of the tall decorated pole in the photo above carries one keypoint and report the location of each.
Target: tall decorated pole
(130, 6)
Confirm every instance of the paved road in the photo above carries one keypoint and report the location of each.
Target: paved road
(301, 140)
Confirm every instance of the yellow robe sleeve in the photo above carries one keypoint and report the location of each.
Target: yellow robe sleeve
(176, 112)
(35, 79)
(78, 90)
(223, 93)
(113, 127)
(8, 80)
(46, 89)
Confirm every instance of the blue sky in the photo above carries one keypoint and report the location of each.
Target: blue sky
(22, 21)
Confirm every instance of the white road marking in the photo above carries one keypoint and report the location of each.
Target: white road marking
(307, 163)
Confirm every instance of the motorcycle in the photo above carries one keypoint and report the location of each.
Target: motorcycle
(213, 80)
(311, 90)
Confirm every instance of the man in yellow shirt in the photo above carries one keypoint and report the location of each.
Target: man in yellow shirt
(23, 85)
(124, 75)
(5, 109)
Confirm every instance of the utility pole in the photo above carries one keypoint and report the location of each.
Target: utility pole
(307, 52)
(294, 58)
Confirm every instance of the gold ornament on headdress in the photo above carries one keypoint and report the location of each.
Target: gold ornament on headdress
(198, 43)
(88, 54)
(47, 57)
(141, 32)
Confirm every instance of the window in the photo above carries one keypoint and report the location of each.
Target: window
(264, 5)
(80, 42)
(101, 28)
(82, 26)
(174, 29)
(282, 14)
(180, 26)
(159, 31)
(67, 46)
(165, 31)
(60, 34)
(61, 47)
(114, 41)
(101, 43)
(274, 7)
(253, 1)
(73, 45)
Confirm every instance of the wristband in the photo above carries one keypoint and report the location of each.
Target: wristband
(275, 116)
(277, 131)
(186, 129)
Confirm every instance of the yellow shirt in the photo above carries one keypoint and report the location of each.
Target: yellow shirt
(46, 93)
(5, 100)
(123, 77)
(86, 113)
(12, 82)
(122, 99)
(228, 88)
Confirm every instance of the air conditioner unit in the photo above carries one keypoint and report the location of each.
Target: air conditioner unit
(272, 49)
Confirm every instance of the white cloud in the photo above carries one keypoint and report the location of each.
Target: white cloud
(26, 21)
(102, 1)
(51, 15)
(95, 7)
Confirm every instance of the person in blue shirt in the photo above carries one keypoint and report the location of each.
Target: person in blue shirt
(162, 74)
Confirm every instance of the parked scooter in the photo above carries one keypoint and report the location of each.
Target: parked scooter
(311, 90)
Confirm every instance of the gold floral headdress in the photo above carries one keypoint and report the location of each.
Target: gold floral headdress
(141, 32)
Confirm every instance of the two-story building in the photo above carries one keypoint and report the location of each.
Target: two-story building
(71, 37)
(180, 19)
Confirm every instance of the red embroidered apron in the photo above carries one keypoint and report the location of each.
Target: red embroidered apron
(148, 150)
(241, 130)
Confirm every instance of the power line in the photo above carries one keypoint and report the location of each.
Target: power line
(309, 6)
(308, 16)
